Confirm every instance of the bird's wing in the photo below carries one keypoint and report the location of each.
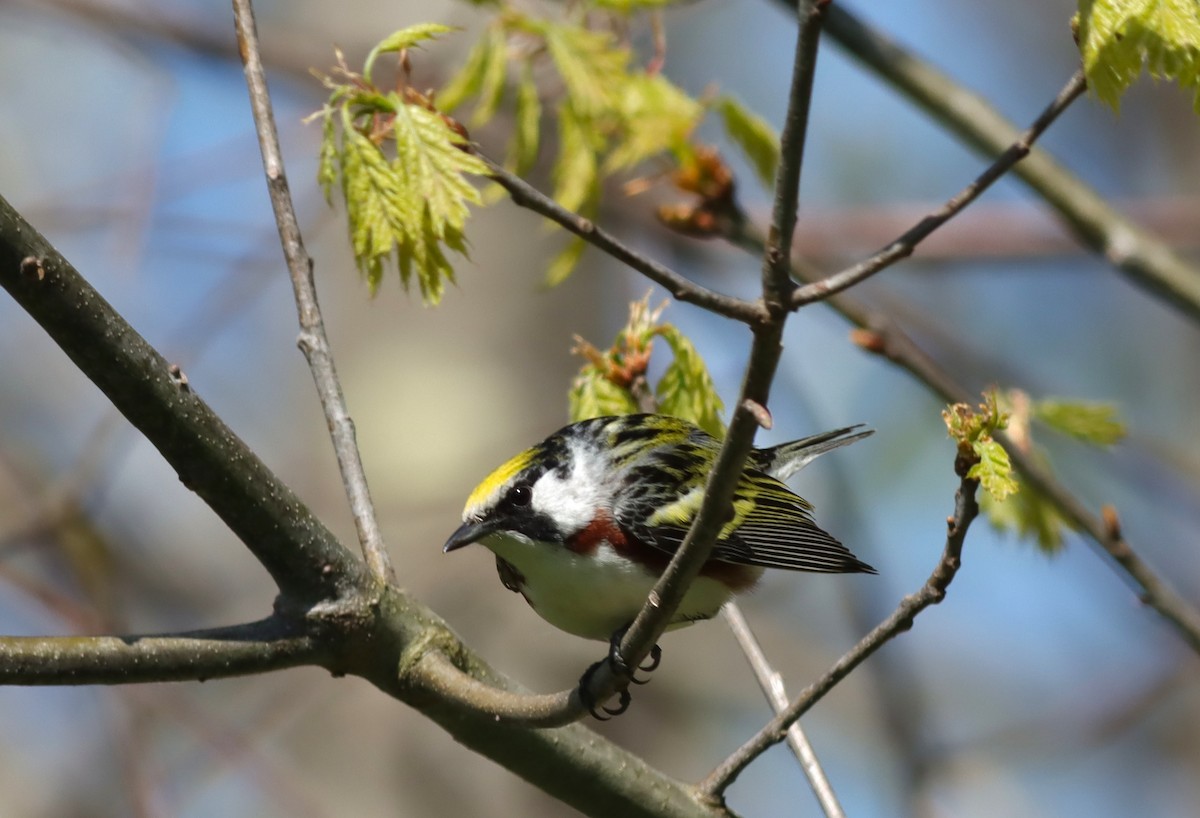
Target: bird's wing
(772, 527)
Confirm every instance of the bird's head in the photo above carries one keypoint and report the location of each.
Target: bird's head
(546, 493)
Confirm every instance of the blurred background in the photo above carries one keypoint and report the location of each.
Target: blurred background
(1039, 687)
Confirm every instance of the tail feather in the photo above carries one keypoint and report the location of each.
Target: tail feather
(784, 460)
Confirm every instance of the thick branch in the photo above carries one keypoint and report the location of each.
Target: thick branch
(933, 592)
(258, 647)
(302, 556)
(313, 340)
(1145, 260)
(571, 763)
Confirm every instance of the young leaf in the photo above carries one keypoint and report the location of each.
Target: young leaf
(576, 176)
(524, 146)
(632, 6)
(402, 39)
(973, 430)
(565, 262)
(591, 63)
(1095, 423)
(328, 162)
(1118, 37)
(655, 116)
(593, 395)
(1029, 514)
(686, 389)
(994, 470)
(467, 82)
(495, 73)
(429, 169)
(753, 135)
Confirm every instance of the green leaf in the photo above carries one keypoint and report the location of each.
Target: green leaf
(402, 39)
(686, 389)
(756, 138)
(1117, 38)
(632, 6)
(431, 166)
(524, 147)
(592, 65)
(495, 73)
(655, 116)
(994, 470)
(565, 262)
(593, 395)
(1096, 423)
(467, 82)
(328, 160)
(1029, 514)
(576, 173)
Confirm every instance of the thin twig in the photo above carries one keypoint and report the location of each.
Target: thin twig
(525, 195)
(1141, 257)
(933, 592)
(904, 246)
(773, 688)
(313, 341)
(765, 351)
(883, 337)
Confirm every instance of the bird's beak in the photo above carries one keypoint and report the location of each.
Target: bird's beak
(467, 533)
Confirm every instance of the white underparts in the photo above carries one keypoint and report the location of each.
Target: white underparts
(592, 595)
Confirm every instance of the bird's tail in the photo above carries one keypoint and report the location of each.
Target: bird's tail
(784, 460)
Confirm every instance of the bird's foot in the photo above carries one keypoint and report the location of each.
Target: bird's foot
(621, 669)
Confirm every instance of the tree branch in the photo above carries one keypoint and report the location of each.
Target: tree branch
(313, 340)
(301, 555)
(933, 592)
(1142, 258)
(383, 641)
(772, 686)
(241, 650)
(525, 195)
(884, 338)
(904, 246)
(750, 409)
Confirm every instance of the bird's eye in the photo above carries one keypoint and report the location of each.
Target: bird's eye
(520, 495)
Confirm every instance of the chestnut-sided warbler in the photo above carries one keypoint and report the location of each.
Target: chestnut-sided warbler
(583, 523)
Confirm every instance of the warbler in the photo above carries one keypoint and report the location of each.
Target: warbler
(583, 523)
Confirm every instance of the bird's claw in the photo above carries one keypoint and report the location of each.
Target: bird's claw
(621, 670)
(585, 696)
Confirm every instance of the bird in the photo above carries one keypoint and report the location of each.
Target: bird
(583, 523)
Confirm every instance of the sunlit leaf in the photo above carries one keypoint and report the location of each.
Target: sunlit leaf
(1118, 38)
(593, 395)
(576, 173)
(524, 148)
(1028, 514)
(756, 138)
(686, 389)
(592, 65)
(495, 74)
(994, 470)
(402, 39)
(1096, 423)
(656, 116)
(565, 262)
(469, 79)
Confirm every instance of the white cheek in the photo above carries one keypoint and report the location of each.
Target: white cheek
(571, 503)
